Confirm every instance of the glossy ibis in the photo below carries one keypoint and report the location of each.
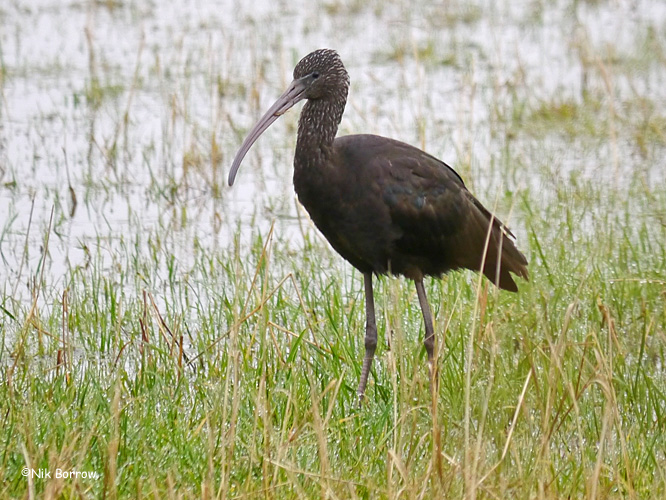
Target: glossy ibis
(385, 206)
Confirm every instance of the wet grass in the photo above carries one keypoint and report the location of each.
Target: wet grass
(236, 376)
(176, 364)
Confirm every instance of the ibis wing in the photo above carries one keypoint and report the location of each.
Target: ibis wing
(426, 219)
(439, 223)
(437, 218)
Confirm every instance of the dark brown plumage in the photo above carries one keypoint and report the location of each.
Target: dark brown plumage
(385, 206)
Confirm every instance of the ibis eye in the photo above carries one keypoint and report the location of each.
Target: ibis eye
(315, 75)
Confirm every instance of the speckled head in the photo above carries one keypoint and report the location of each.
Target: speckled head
(321, 78)
(324, 72)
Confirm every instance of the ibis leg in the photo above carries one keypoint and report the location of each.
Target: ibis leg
(370, 335)
(429, 339)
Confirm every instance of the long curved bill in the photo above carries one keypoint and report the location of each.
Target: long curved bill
(294, 93)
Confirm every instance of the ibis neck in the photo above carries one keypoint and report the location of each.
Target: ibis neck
(317, 128)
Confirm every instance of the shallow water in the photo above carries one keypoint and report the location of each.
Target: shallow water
(123, 101)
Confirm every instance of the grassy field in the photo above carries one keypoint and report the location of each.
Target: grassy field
(177, 339)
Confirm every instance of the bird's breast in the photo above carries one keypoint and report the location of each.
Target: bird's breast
(350, 215)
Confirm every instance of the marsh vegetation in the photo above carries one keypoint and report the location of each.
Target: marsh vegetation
(186, 340)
